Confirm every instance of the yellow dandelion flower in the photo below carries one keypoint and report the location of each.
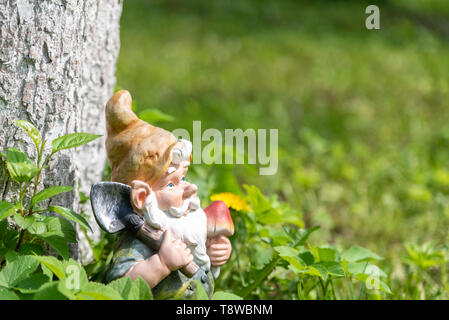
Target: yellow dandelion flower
(232, 201)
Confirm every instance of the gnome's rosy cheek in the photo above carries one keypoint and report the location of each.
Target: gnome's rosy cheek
(169, 197)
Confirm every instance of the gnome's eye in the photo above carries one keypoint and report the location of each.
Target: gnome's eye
(183, 179)
(170, 185)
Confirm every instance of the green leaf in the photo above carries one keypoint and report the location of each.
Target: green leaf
(49, 192)
(9, 236)
(98, 291)
(69, 214)
(318, 270)
(220, 295)
(2, 252)
(6, 294)
(24, 222)
(271, 216)
(303, 235)
(3, 229)
(66, 290)
(59, 233)
(56, 266)
(49, 291)
(47, 271)
(424, 256)
(32, 284)
(31, 249)
(357, 254)
(324, 254)
(291, 256)
(307, 257)
(154, 115)
(259, 275)
(31, 130)
(17, 270)
(263, 209)
(58, 243)
(384, 287)
(122, 286)
(17, 156)
(21, 172)
(19, 166)
(278, 237)
(11, 255)
(35, 224)
(74, 280)
(372, 282)
(75, 275)
(334, 268)
(200, 292)
(72, 140)
(37, 228)
(60, 227)
(6, 209)
(355, 268)
(261, 254)
(140, 290)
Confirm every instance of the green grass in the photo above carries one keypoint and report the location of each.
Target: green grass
(362, 115)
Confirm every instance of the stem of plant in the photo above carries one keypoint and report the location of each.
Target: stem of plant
(323, 288)
(37, 176)
(361, 291)
(22, 213)
(333, 290)
(36, 183)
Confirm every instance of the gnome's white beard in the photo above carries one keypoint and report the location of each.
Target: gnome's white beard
(192, 203)
(190, 228)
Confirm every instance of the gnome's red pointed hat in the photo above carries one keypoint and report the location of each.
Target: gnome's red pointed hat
(136, 150)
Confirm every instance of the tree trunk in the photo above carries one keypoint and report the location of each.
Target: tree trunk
(57, 66)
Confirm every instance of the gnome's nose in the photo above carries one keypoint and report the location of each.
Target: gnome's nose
(189, 191)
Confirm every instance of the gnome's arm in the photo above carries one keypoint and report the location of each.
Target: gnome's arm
(172, 255)
(152, 270)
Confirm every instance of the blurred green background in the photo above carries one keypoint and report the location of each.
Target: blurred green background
(362, 115)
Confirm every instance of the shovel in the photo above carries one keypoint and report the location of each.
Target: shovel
(113, 211)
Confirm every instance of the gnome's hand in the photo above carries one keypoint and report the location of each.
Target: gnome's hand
(219, 250)
(174, 253)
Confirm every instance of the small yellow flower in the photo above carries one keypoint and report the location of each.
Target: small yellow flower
(232, 201)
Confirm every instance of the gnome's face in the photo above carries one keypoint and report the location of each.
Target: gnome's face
(172, 189)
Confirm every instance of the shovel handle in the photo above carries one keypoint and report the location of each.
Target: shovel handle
(153, 239)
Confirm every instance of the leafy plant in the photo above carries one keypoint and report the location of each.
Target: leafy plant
(26, 273)
(273, 258)
(427, 267)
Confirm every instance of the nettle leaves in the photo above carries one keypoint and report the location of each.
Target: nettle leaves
(326, 263)
(19, 166)
(57, 232)
(25, 272)
(45, 277)
(22, 169)
(72, 140)
(286, 246)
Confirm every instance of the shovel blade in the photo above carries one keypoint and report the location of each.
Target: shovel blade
(110, 201)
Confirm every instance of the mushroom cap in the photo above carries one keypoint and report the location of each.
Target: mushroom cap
(219, 221)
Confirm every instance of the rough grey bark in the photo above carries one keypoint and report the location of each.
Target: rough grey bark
(57, 66)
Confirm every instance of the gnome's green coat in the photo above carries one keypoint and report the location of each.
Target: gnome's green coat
(129, 250)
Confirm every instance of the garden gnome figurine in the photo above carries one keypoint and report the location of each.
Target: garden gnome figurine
(154, 164)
